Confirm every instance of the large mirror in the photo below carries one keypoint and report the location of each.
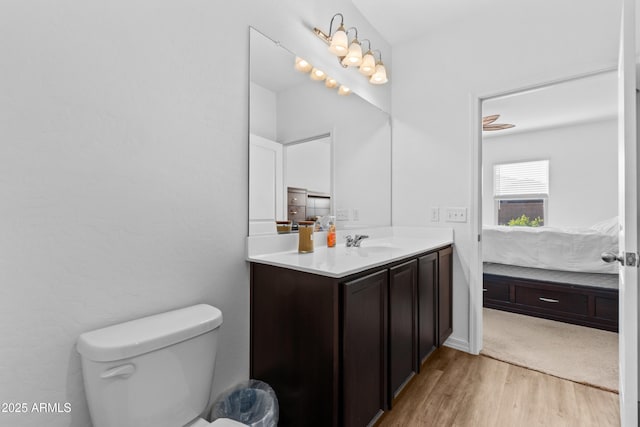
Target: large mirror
(312, 151)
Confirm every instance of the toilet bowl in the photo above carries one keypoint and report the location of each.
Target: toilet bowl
(153, 372)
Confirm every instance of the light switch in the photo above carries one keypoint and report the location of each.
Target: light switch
(435, 214)
(342, 214)
(456, 214)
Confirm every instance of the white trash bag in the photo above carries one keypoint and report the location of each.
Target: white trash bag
(252, 402)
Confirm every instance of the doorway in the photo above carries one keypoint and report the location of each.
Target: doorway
(570, 142)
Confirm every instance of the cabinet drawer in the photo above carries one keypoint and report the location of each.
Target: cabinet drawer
(496, 291)
(552, 300)
(607, 308)
(297, 199)
(297, 213)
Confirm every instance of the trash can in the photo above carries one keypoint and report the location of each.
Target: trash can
(253, 403)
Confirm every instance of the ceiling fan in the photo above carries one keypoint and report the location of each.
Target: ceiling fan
(488, 123)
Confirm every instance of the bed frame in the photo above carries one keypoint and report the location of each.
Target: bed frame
(582, 299)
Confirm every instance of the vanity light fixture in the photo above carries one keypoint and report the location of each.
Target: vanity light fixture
(379, 77)
(354, 55)
(317, 74)
(368, 65)
(330, 82)
(338, 42)
(302, 65)
(344, 91)
(350, 54)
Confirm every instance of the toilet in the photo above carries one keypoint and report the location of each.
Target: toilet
(152, 372)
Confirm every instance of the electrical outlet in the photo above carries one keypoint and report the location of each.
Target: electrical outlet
(435, 214)
(342, 214)
(456, 215)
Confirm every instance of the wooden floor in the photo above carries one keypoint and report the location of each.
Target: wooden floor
(459, 389)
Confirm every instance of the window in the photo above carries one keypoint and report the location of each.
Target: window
(521, 189)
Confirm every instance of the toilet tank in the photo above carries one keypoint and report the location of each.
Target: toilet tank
(155, 371)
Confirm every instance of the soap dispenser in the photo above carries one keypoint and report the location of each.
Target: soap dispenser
(331, 232)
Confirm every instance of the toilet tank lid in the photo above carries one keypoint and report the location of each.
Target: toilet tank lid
(150, 333)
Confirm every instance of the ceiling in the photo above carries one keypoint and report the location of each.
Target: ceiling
(401, 20)
(576, 101)
(586, 99)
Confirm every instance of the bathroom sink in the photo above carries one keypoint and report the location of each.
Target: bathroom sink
(373, 249)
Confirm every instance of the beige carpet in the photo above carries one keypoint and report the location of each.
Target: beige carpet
(576, 353)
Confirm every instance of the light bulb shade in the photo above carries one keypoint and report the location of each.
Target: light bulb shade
(354, 56)
(330, 82)
(318, 75)
(368, 65)
(344, 91)
(302, 65)
(380, 76)
(339, 42)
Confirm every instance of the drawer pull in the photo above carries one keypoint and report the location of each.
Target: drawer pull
(548, 300)
(484, 289)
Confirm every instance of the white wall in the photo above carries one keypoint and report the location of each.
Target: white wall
(123, 175)
(308, 165)
(491, 52)
(262, 110)
(361, 141)
(583, 170)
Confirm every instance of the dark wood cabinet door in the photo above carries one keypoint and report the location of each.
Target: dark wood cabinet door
(445, 294)
(364, 349)
(427, 283)
(403, 330)
(294, 343)
(337, 351)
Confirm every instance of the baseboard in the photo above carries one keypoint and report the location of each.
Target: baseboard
(458, 344)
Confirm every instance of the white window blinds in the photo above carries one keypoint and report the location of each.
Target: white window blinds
(523, 178)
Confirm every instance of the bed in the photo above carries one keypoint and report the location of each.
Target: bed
(554, 273)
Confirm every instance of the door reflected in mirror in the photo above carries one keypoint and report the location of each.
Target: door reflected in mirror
(312, 152)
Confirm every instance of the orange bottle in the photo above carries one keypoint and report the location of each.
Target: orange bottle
(331, 233)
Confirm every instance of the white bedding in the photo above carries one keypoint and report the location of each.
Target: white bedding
(567, 249)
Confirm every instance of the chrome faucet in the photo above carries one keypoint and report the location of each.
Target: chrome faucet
(355, 242)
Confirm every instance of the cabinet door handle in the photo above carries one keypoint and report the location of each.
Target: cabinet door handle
(548, 300)
(484, 289)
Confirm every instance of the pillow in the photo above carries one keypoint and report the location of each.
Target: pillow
(608, 226)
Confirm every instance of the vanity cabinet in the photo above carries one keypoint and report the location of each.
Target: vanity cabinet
(403, 326)
(427, 296)
(364, 335)
(295, 343)
(337, 351)
(445, 295)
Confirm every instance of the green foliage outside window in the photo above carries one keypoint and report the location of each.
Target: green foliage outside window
(524, 221)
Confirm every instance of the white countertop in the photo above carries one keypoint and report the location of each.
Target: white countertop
(393, 244)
